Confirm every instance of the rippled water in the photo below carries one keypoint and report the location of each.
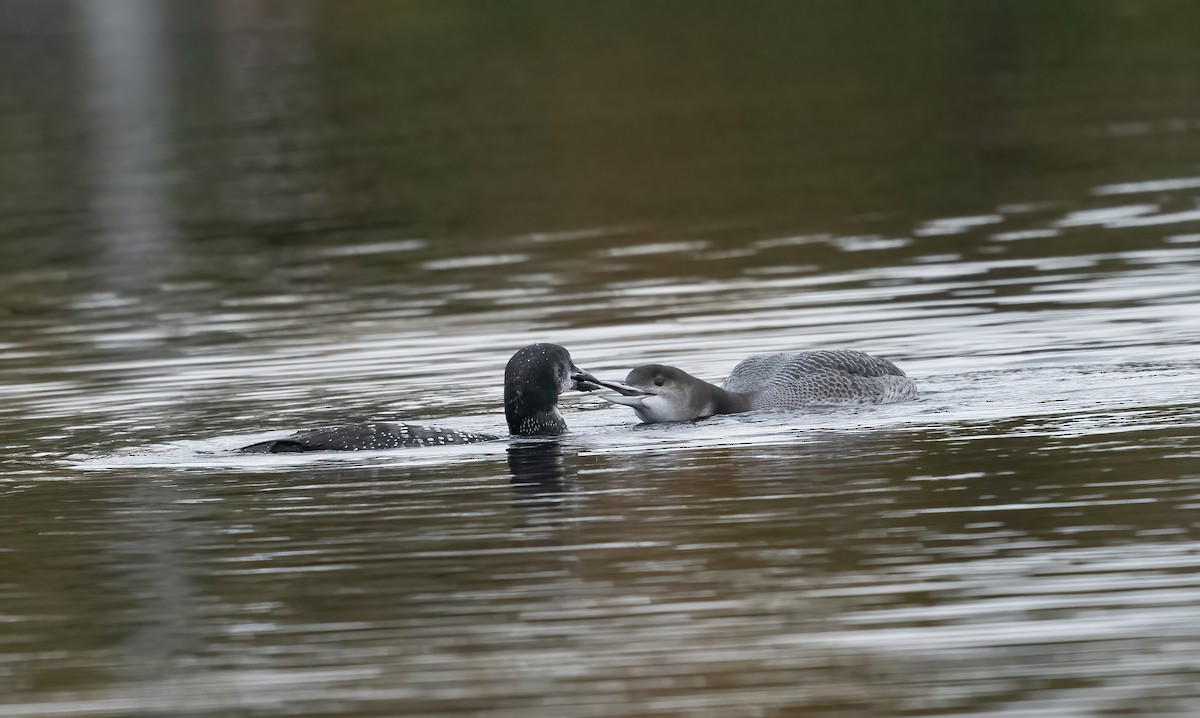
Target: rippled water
(224, 221)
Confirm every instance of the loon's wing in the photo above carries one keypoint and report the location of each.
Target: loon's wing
(362, 437)
(785, 381)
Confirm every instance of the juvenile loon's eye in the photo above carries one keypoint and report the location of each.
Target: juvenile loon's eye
(659, 381)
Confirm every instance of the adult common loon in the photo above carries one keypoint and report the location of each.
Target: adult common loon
(533, 380)
(765, 381)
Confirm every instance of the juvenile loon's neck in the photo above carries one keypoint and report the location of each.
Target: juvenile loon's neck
(721, 401)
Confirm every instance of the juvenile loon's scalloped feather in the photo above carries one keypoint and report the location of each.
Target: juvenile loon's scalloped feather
(792, 381)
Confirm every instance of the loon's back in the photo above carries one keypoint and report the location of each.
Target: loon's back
(792, 381)
(533, 379)
(365, 437)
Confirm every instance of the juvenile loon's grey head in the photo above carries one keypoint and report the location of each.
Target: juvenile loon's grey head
(660, 393)
(533, 380)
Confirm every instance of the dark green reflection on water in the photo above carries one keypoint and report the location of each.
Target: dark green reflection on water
(479, 120)
(578, 113)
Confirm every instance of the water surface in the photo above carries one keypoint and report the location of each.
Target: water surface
(224, 221)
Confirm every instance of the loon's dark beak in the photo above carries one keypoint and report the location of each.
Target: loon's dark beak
(583, 380)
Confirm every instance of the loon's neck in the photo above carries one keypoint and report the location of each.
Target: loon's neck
(702, 399)
(721, 401)
(543, 422)
(531, 409)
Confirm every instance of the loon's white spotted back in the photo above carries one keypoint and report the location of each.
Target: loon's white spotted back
(534, 378)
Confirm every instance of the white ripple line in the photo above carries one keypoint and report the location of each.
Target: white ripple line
(1020, 507)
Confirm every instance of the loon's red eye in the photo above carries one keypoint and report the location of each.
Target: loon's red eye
(659, 381)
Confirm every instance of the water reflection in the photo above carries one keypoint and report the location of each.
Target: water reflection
(271, 171)
(129, 105)
(538, 470)
(221, 217)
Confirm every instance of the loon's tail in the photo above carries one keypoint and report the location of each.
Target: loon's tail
(274, 446)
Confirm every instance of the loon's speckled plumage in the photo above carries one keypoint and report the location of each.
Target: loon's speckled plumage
(533, 380)
(764, 381)
(791, 381)
(365, 437)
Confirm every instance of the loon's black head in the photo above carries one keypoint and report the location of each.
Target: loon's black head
(533, 380)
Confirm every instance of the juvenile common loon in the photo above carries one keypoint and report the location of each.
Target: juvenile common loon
(764, 381)
(533, 380)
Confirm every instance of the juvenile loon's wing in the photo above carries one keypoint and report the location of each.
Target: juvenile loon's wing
(787, 381)
(360, 437)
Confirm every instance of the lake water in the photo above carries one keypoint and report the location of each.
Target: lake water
(223, 220)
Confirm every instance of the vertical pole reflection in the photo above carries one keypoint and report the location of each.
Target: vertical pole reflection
(127, 100)
(128, 103)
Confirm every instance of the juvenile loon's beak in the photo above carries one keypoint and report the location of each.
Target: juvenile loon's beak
(630, 395)
(635, 401)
